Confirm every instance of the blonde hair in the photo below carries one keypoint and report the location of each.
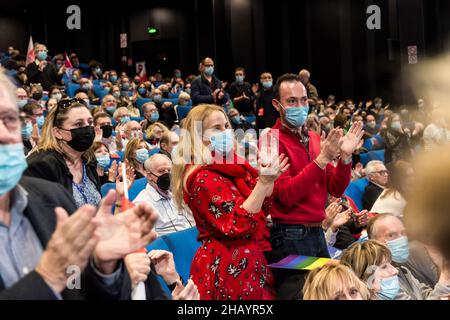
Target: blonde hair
(361, 257)
(189, 147)
(150, 130)
(130, 151)
(49, 142)
(185, 96)
(9, 86)
(323, 283)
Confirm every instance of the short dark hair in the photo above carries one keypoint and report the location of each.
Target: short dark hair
(100, 115)
(239, 69)
(288, 77)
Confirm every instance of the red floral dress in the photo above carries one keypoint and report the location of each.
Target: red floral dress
(230, 264)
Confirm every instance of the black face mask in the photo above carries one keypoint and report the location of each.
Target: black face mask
(82, 138)
(163, 181)
(107, 131)
(37, 96)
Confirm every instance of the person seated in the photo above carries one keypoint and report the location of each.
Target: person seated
(103, 158)
(411, 256)
(378, 177)
(158, 193)
(154, 134)
(88, 88)
(109, 104)
(372, 263)
(169, 140)
(392, 200)
(136, 153)
(144, 267)
(334, 281)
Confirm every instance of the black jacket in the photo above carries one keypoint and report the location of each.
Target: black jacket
(51, 166)
(266, 114)
(371, 194)
(47, 78)
(43, 198)
(202, 90)
(237, 90)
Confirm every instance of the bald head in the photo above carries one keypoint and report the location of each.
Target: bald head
(385, 227)
(304, 75)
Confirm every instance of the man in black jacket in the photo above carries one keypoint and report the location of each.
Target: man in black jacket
(378, 177)
(207, 88)
(40, 71)
(241, 93)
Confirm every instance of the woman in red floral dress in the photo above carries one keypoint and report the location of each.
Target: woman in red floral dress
(229, 201)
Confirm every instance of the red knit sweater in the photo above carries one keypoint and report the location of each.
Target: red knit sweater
(301, 193)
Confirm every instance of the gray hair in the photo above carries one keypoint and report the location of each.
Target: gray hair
(371, 166)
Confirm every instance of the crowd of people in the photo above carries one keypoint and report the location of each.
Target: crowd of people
(261, 170)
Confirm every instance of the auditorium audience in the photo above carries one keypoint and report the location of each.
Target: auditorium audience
(378, 177)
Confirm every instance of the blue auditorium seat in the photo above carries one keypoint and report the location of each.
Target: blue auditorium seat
(71, 88)
(372, 155)
(135, 189)
(141, 102)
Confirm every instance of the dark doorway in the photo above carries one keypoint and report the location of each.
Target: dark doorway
(160, 55)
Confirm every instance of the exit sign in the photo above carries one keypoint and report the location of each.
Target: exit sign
(152, 30)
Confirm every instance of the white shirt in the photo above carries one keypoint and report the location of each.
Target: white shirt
(170, 219)
(435, 136)
(393, 204)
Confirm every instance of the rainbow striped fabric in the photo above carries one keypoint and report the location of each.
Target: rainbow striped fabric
(300, 263)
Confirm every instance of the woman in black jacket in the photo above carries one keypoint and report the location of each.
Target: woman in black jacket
(64, 154)
(396, 140)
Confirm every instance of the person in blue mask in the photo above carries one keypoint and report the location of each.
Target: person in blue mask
(241, 93)
(22, 97)
(207, 88)
(151, 115)
(412, 258)
(266, 114)
(43, 72)
(301, 193)
(372, 263)
(226, 196)
(50, 234)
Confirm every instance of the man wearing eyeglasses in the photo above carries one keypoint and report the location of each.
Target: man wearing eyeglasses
(378, 177)
(42, 71)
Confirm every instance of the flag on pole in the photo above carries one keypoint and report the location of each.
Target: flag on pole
(67, 62)
(300, 263)
(30, 52)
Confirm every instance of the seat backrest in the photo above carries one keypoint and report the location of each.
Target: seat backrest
(182, 111)
(183, 245)
(355, 191)
(141, 102)
(71, 88)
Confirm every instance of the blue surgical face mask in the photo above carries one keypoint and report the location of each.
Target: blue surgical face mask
(125, 119)
(389, 288)
(12, 166)
(98, 71)
(157, 98)
(209, 71)
(296, 116)
(86, 87)
(113, 78)
(74, 78)
(103, 161)
(188, 90)
(111, 109)
(222, 142)
(142, 155)
(116, 94)
(239, 79)
(22, 102)
(177, 74)
(396, 125)
(142, 91)
(125, 86)
(40, 121)
(236, 120)
(27, 130)
(42, 55)
(154, 117)
(399, 249)
(267, 84)
(57, 96)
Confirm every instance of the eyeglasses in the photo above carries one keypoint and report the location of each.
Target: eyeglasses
(64, 104)
(383, 172)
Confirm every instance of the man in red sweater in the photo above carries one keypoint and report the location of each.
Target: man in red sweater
(301, 193)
